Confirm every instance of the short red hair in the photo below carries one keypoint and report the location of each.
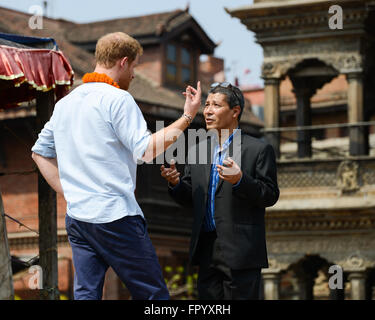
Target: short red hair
(114, 46)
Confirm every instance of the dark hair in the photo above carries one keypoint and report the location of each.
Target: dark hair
(233, 95)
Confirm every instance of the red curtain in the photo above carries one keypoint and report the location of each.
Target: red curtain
(30, 70)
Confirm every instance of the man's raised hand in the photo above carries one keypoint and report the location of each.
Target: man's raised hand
(192, 100)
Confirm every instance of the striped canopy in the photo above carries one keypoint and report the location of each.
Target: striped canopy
(28, 65)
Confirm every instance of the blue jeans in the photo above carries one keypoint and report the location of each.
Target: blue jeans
(125, 246)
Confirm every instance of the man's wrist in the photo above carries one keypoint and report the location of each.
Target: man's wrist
(187, 118)
(238, 181)
(172, 186)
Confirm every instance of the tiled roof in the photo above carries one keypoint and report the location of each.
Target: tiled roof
(148, 29)
(145, 90)
(140, 26)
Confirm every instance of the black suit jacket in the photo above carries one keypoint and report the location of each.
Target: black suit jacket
(239, 211)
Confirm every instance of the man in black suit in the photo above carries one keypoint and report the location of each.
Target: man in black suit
(228, 195)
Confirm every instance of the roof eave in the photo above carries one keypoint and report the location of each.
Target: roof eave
(207, 45)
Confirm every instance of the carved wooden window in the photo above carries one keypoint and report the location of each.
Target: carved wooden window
(179, 64)
(171, 63)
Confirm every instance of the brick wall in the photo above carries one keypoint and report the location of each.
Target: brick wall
(20, 192)
(150, 64)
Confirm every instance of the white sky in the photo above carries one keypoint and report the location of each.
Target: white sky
(237, 44)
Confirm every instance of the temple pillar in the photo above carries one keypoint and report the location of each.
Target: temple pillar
(306, 286)
(358, 285)
(304, 88)
(303, 118)
(358, 136)
(272, 111)
(271, 285)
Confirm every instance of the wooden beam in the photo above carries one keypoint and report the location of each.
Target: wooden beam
(45, 102)
(6, 280)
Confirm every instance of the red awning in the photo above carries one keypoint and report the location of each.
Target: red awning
(25, 71)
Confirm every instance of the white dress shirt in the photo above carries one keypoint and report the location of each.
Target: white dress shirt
(97, 132)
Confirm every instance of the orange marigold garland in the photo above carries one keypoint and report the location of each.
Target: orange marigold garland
(99, 77)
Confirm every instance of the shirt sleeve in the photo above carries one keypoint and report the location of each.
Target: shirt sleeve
(237, 184)
(45, 145)
(174, 187)
(130, 126)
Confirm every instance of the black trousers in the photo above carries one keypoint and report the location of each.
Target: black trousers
(216, 281)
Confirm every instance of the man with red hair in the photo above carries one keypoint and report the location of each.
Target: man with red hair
(88, 152)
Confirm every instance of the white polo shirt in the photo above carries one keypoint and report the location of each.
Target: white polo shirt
(97, 133)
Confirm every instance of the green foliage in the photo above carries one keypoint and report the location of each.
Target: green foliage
(181, 285)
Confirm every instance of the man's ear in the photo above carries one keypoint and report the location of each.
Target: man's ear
(236, 111)
(124, 61)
